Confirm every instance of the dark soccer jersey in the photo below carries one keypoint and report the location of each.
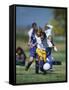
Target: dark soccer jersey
(44, 41)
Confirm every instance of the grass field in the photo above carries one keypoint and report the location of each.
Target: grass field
(58, 73)
(22, 76)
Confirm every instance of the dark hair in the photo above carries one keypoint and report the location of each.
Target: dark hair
(44, 34)
(21, 50)
(34, 24)
(46, 27)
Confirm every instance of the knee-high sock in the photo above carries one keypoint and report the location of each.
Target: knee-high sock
(28, 65)
(41, 65)
(37, 66)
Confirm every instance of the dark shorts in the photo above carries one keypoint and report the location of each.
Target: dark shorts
(48, 50)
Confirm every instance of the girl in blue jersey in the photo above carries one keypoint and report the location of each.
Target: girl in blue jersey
(32, 44)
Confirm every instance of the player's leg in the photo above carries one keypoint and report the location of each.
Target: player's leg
(29, 63)
(49, 59)
(32, 56)
(49, 56)
(36, 61)
(41, 66)
(44, 55)
(42, 59)
(37, 66)
(32, 53)
(38, 54)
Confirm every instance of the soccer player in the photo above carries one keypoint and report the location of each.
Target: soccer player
(41, 49)
(32, 44)
(48, 31)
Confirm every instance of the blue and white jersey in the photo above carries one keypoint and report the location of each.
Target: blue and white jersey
(31, 34)
(33, 39)
(48, 33)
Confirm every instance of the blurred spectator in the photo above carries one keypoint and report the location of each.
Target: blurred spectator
(20, 56)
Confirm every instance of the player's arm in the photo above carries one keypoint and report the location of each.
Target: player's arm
(29, 36)
(29, 41)
(51, 44)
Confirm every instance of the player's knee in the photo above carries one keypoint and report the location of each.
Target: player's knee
(31, 59)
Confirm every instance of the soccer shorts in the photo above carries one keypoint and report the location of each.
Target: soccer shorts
(33, 52)
(41, 54)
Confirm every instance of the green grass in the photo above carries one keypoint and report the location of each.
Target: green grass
(22, 36)
(22, 76)
(58, 73)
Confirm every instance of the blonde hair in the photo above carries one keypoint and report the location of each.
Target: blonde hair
(39, 32)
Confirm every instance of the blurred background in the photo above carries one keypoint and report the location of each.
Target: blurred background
(25, 16)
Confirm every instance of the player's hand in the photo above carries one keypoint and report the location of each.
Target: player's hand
(43, 49)
(30, 45)
(55, 49)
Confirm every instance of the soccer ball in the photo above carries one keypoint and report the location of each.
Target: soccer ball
(46, 66)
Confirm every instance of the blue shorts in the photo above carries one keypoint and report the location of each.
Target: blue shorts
(33, 52)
